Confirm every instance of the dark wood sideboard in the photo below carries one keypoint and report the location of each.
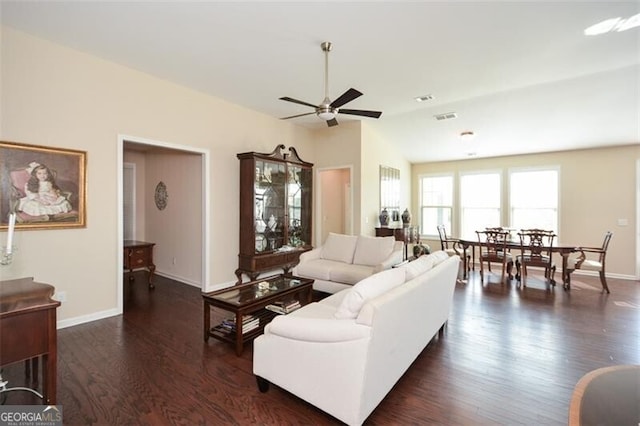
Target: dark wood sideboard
(28, 329)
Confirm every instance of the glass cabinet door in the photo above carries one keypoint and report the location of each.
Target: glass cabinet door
(299, 205)
(269, 213)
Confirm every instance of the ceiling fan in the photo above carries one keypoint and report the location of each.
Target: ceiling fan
(328, 110)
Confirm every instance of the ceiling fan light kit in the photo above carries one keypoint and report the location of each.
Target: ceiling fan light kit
(328, 110)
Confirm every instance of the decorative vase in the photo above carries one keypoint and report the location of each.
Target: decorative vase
(260, 226)
(406, 217)
(384, 218)
(272, 223)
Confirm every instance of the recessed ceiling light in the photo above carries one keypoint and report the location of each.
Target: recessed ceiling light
(424, 98)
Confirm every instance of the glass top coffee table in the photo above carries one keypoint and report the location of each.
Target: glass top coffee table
(247, 304)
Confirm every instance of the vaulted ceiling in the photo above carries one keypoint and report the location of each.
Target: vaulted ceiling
(521, 75)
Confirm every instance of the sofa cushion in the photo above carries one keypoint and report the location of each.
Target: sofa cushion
(339, 247)
(439, 257)
(418, 266)
(372, 250)
(367, 289)
(319, 269)
(424, 263)
(349, 274)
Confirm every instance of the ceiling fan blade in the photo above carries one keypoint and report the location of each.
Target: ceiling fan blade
(297, 115)
(347, 96)
(364, 113)
(295, 101)
(332, 122)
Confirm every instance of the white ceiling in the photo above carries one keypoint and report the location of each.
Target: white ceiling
(521, 75)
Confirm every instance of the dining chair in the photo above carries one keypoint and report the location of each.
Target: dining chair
(452, 247)
(449, 245)
(493, 248)
(579, 260)
(535, 250)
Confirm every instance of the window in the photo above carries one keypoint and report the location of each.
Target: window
(533, 197)
(479, 202)
(436, 203)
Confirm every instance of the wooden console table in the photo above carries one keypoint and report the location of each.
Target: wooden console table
(139, 254)
(406, 234)
(28, 328)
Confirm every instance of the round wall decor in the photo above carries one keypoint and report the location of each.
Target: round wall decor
(161, 196)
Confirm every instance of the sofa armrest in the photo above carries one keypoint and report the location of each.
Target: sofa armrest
(311, 255)
(317, 329)
(394, 258)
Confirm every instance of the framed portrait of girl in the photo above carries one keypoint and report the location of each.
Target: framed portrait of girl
(44, 187)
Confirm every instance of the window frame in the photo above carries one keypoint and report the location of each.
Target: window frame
(428, 233)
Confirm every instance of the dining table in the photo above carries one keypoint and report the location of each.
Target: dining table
(564, 250)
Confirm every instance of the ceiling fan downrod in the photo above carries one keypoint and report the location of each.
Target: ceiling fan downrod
(324, 110)
(326, 48)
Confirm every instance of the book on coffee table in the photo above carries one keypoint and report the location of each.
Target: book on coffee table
(282, 308)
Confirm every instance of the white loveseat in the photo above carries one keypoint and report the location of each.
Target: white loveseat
(345, 353)
(344, 260)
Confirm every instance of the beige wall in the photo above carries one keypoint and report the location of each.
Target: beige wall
(597, 187)
(59, 97)
(377, 152)
(340, 147)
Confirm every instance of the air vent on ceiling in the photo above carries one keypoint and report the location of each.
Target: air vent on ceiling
(424, 98)
(446, 116)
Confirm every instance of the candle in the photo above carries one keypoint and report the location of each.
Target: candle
(12, 225)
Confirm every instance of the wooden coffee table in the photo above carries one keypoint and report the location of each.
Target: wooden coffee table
(250, 299)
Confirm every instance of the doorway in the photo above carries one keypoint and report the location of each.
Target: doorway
(185, 244)
(334, 208)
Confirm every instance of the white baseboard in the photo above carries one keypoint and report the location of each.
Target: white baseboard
(210, 288)
(178, 278)
(69, 322)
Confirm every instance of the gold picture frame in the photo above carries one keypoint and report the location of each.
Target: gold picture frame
(44, 186)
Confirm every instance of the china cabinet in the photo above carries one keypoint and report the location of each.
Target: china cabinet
(275, 211)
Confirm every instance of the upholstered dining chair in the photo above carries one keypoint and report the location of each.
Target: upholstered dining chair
(579, 260)
(535, 250)
(493, 249)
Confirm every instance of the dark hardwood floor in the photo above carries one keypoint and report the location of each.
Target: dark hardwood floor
(509, 355)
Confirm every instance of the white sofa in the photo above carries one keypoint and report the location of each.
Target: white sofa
(344, 260)
(344, 353)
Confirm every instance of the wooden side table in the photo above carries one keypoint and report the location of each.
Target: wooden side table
(139, 254)
(28, 328)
